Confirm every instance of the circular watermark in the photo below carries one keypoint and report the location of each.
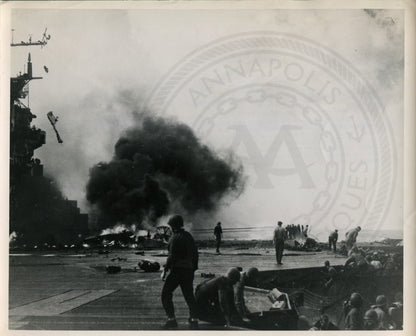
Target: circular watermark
(308, 128)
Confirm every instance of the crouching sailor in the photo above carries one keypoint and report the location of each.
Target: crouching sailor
(215, 299)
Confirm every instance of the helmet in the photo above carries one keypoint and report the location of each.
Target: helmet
(233, 274)
(371, 314)
(324, 318)
(381, 300)
(398, 296)
(356, 300)
(252, 272)
(175, 222)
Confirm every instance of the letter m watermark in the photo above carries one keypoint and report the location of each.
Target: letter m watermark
(264, 164)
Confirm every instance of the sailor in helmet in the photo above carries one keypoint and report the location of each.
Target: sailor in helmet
(352, 310)
(371, 320)
(179, 270)
(215, 298)
(382, 311)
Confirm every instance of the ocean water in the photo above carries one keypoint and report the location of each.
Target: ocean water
(266, 232)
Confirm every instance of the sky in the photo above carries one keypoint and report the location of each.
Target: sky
(104, 65)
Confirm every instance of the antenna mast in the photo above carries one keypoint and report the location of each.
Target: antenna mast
(42, 42)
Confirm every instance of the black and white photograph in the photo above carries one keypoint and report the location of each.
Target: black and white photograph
(212, 166)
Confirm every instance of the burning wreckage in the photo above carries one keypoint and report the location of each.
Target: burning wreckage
(155, 161)
(142, 239)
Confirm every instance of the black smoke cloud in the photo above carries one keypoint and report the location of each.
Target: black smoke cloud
(158, 167)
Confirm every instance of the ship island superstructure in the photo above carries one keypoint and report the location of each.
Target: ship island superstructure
(39, 214)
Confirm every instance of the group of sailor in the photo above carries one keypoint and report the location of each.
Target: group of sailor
(380, 315)
(375, 261)
(220, 300)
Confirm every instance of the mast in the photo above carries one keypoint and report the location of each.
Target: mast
(42, 42)
(24, 138)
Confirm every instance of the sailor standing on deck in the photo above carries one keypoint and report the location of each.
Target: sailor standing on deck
(182, 262)
(218, 236)
(279, 242)
(332, 240)
(351, 237)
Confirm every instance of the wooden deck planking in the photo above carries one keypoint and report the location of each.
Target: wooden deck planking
(135, 303)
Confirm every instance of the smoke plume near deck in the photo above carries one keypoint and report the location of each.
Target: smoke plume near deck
(159, 167)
